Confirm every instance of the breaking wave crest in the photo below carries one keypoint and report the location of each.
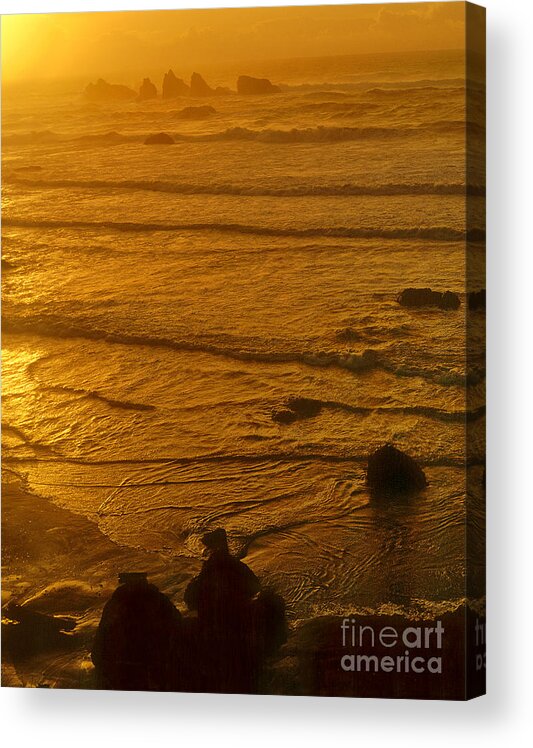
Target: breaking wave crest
(50, 326)
(93, 395)
(320, 134)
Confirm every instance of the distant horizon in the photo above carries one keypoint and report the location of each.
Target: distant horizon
(97, 43)
(135, 76)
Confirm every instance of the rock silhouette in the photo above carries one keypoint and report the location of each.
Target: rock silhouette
(421, 297)
(224, 584)
(238, 624)
(247, 85)
(196, 112)
(147, 90)
(174, 87)
(160, 138)
(390, 471)
(199, 87)
(137, 644)
(143, 643)
(103, 91)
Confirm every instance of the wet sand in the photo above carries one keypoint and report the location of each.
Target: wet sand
(40, 542)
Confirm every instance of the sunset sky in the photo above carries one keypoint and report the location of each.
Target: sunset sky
(94, 44)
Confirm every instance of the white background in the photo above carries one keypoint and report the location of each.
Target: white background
(504, 717)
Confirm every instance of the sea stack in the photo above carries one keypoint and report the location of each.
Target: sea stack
(247, 85)
(174, 87)
(147, 90)
(390, 471)
(104, 91)
(199, 87)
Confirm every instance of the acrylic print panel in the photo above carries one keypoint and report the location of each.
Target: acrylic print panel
(243, 333)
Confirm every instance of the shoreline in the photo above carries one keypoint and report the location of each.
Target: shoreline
(42, 540)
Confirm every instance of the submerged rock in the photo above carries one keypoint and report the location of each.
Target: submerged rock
(392, 471)
(199, 87)
(477, 299)
(284, 416)
(348, 335)
(160, 138)
(420, 297)
(147, 90)
(103, 91)
(196, 112)
(174, 87)
(297, 408)
(248, 85)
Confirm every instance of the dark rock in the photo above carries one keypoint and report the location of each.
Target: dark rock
(174, 87)
(391, 471)
(199, 87)
(284, 416)
(196, 112)
(449, 300)
(239, 623)
(297, 408)
(147, 90)
(137, 643)
(161, 138)
(103, 91)
(305, 407)
(415, 297)
(421, 297)
(248, 85)
(318, 648)
(477, 299)
(26, 632)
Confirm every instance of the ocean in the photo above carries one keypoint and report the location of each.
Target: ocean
(162, 303)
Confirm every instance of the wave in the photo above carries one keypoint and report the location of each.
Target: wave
(432, 233)
(298, 190)
(404, 88)
(36, 137)
(38, 448)
(53, 327)
(93, 395)
(369, 360)
(320, 134)
(423, 411)
(431, 84)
